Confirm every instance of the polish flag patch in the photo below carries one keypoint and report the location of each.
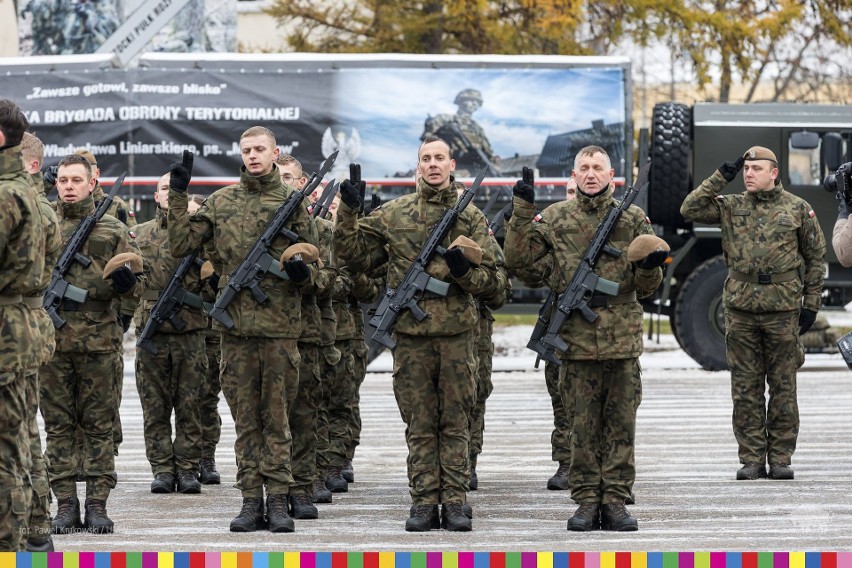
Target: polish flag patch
(811, 214)
(538, 218)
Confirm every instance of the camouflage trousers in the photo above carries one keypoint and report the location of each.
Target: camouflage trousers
(342, 392)
(15, 489)
(605, 396)
(484, 386)
(39, 519)
(359, 367)
(434, 381)
(563, 420)
(260, 379)
(764, 349)
(78, 390)
(211, 422)
(171, 381)
(326, 371)
(303, 421)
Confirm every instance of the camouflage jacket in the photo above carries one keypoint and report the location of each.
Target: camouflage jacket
(52, 250)
(767, 232)
(152, 238)
(22, 247)
(396, 232)
(96, 330)
(557, 239)
(349, 291)
(119, 208)
(233, 218)
(317, 296)
(503, 291)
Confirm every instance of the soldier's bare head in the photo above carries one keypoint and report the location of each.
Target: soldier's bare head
(13, 123)
(593, 170)
(32, 150)
(161, 193)
(291, 172)
(435, 162)
(74, 181)
(258, 149)
(570, 189)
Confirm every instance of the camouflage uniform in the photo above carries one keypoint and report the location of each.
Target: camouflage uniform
(211, 422)
(434, 376)
(124, 213)
(767, 232)
(303, 412)
(39, 524)
(600, 370)
(171, 379)
(485, 351)
(22, 248)
(344, 419)
(78, 384)
(328, 358)
(259, 371)
(563, 423)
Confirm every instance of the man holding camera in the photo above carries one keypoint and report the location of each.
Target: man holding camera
(775, 252)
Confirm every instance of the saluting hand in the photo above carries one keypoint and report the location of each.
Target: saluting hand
(729, 170)
(181, 173)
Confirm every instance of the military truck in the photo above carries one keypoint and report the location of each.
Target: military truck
(686, 145)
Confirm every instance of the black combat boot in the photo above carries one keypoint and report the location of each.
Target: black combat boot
(250, 518)
(348, 472)
(780, 471)
(40, 544)
(587, 517)
(423, 518)
(335, 481)
(454, 519)
(96, 517)
(209, 475)
(614, 517)
(751, 471)
(321, 493)
(163, 483)
(188, 482)
(67, 518)
(559, 481)
(301, 507)
(467, 510)
(276, 514)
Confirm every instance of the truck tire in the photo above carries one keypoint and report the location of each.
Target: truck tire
(699, 315)
(671, 151)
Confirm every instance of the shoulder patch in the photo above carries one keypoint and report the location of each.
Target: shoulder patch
(131, 213)
(811, 214)
(648, 220)
(538, 218)
(132, 234)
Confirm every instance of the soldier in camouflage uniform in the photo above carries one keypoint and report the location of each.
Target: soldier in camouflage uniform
(77, 385)
(260, 358)
(211, 421)
(22, 248)
(303, 411)
(124, 213)
(599, 372)
(39, 536)
(171, 379)
(434, 376)
(467, 140)
(775, 252)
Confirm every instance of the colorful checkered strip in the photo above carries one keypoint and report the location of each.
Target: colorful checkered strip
(426, 560)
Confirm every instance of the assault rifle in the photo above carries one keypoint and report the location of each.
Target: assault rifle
(417, 280)
(584, 283)
(258, 262)
(169, 302)
(500, 219)
(59, 288)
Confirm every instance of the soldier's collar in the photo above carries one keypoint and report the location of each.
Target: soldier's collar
(446, 196)
(769, 195)
(594, 202)
(162, 218)
(11, 159)
(78, 209)
(260, 183)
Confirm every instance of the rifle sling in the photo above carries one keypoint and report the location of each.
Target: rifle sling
(603, 300)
